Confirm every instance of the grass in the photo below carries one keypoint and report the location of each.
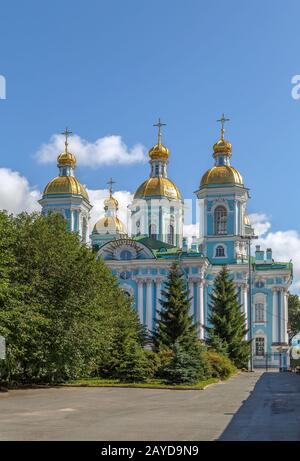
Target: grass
(153, 384)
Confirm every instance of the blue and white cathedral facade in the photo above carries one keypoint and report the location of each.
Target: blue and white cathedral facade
(142, 259)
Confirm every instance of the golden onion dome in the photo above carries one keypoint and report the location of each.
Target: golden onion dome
(65, 185)
(221, 174)
(157, 186)
(111, 202)
(159, 152)
(222, 146)
(247, 220)
(109, 225)
(66, 159)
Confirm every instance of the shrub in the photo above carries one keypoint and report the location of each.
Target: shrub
(219, 365)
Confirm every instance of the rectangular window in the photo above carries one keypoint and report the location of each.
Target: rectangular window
(259, 312)
(259, 346)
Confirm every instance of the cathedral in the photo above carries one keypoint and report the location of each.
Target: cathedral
(141, 258)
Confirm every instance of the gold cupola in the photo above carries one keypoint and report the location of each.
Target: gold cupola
(158, 184)
(66, 182)
(222, 172)
(110, 222)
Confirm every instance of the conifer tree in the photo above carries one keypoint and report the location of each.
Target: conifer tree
(177, 332)
(174, 322)
(227, 329)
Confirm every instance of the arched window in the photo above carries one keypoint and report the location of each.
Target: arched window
(152, 231)
(220, 251)
(259, 346)
(125, 254)
(220, 220)
(259, 312)
(171, 235)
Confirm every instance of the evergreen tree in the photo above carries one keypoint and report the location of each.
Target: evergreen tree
(177, 332)
(133, 365)
(185, 366)
(174, 321)
(227, 322)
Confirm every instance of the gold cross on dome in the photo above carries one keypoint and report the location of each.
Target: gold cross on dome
(159, 124)
(110, 183)
(223, 120)
(66, 133)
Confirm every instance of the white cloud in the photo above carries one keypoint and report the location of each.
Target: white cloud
(285, 244)
(109, 150)
(189, 231)
(260, 223)
(16, 195)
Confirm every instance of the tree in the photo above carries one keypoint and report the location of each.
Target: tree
(185, 367)
(61, 309)
(227, 329)
(177, 332)
(293, 314)
(174, 322)
(133, 365)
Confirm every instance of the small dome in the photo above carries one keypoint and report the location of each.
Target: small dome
(109, 225)
(159, 152)
(222, 146)
(111, 202)
(222, 174)
(65, 185)
(66, 159)
(157, 186)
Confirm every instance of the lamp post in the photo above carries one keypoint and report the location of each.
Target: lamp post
(249, 238)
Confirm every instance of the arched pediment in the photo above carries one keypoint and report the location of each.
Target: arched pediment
(125, 249)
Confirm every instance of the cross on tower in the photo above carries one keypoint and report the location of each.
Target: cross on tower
(66, 133)
(223, 120)
(159, 124)
(110, 183)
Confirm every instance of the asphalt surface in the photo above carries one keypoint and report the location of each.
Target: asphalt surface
(250, 406)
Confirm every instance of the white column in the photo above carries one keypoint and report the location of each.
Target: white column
(286, 336)
(283, 326)
(200, 316)
(245, 305)
(191, 294)
(149, 305)
(140, 304)
(275, 338)
(158, 296)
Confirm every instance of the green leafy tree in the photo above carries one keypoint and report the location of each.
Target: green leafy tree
(61, 309)
(227, 329)
(293, 314)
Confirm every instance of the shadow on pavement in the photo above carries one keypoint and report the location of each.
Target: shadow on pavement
(271, 412)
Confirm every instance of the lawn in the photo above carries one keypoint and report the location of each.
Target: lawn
(153, 384)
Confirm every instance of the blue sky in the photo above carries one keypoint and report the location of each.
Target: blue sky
(113, 67)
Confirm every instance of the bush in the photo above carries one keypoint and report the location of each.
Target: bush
(133, 366)
(219, 365)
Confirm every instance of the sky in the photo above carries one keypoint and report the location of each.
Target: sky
(109, 69)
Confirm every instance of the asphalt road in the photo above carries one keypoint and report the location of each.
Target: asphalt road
(250, 406)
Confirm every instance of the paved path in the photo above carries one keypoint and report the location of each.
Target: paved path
(271, 412)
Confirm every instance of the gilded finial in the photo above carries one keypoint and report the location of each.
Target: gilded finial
(159, 124)
(110, 183)
(223, 120)
(66, 133)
